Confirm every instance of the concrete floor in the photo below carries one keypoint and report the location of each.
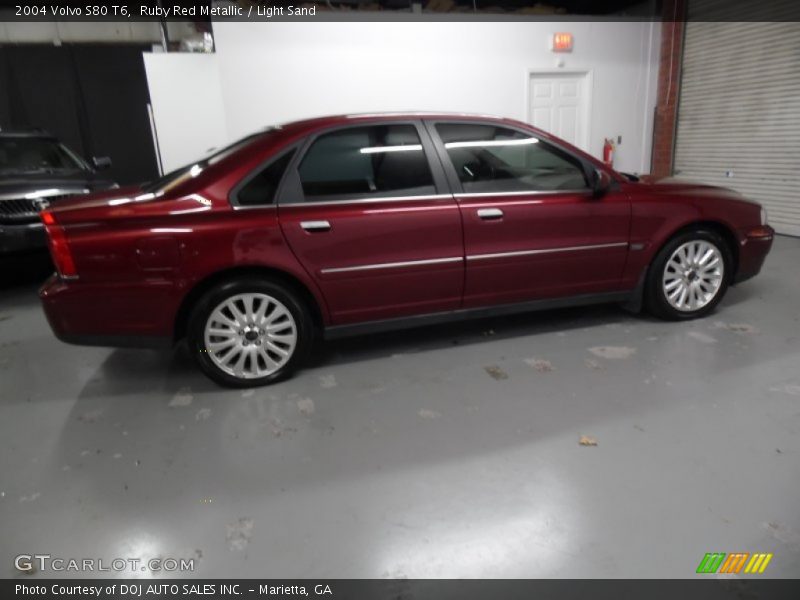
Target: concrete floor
(403, 456)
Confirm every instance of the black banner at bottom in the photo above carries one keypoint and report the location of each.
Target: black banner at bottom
(716, 588)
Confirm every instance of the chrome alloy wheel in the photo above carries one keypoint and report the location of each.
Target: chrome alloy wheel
(693, 275)
(250, 335)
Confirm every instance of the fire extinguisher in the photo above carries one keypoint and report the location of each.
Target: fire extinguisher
(608, 152)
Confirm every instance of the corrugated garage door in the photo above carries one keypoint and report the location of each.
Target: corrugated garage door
(739, 112)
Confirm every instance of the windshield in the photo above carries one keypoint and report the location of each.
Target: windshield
(178, 176)
(32, 155)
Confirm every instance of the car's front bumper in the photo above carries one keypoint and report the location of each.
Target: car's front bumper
(21, 238)
(753, 250)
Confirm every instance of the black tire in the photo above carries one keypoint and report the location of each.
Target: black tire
(655, 296)
(203, 309)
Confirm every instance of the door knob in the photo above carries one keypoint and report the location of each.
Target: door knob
(315, 225)
(490, 213)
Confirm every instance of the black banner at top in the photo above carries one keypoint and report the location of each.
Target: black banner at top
(396, 10)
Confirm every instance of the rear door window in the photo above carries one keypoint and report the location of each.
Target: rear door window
(366, 162)
(488, 158)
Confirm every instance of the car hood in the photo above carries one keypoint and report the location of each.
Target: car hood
(19, 185)
(677, 185)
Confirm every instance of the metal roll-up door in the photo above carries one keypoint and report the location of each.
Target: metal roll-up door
(739, 112)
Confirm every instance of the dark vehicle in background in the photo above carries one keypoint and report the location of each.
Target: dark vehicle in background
(36, 172)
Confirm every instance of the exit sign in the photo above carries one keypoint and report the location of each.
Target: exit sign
(562, 42)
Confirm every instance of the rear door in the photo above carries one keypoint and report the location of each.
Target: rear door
(366, 210)
(532, 226)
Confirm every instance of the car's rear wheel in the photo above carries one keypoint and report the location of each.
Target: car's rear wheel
(249, 332)
(689, 275)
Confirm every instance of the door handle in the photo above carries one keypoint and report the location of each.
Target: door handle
(490, 213)
(315, 225)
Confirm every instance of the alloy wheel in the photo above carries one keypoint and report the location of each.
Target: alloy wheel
(250, 336)
(693, 275)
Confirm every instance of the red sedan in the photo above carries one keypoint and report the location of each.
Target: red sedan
(351, 224)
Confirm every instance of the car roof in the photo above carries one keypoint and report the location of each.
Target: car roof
(422, 115)
(299, 128)
(304, 126)
(389, 116)
(293, 130)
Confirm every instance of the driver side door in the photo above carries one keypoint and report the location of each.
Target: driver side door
(533, 228)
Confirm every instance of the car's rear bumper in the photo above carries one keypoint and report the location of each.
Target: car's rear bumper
(21, 238)
(753, 250)
(95, 315)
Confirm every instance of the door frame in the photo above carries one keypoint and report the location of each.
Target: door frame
(588, 77)
(291, 201)
(453, 180)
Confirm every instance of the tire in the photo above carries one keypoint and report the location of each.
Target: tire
(689, 276)
(249, 332)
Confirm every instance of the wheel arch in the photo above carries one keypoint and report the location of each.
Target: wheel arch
(724, 231)
(277, 275)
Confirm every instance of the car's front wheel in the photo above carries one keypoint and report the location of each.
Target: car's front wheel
(249, 332)
(689, 275)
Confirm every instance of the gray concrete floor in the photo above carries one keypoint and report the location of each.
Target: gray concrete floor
(402, 456)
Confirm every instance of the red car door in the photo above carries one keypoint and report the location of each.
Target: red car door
(371, 219)
(532, 226)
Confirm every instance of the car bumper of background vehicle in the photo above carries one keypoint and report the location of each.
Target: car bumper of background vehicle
(753, 251)
(19, 238)
(66, 306)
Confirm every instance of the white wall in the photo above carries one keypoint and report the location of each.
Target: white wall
(187, 105)
(273, 72)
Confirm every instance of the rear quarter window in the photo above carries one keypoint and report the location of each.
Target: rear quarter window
(259, 189)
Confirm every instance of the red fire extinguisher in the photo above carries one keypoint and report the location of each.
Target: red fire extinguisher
(608, 152)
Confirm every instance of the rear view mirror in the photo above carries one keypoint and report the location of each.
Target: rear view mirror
(101, 163)
(601, 182)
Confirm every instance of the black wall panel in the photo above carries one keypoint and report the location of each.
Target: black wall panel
(92, 96)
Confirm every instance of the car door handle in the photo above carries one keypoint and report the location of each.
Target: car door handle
(490, 213)
(315, 225)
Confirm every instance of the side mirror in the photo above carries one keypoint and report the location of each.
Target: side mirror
(101, 163)
(601, 182)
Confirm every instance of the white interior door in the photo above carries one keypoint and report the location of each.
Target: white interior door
(558, 104)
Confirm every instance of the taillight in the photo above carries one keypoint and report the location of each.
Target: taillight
(59, 247)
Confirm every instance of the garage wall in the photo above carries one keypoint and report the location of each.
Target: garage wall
(274, 72)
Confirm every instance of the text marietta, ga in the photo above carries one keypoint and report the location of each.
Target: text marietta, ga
(261, 10)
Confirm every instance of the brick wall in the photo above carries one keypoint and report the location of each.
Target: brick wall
(669, 80)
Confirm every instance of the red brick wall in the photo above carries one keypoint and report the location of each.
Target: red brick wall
(669, 80)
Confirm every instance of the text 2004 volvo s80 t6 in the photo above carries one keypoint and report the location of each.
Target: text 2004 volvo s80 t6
(343, 225)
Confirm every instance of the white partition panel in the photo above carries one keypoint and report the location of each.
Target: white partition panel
(189, 114)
